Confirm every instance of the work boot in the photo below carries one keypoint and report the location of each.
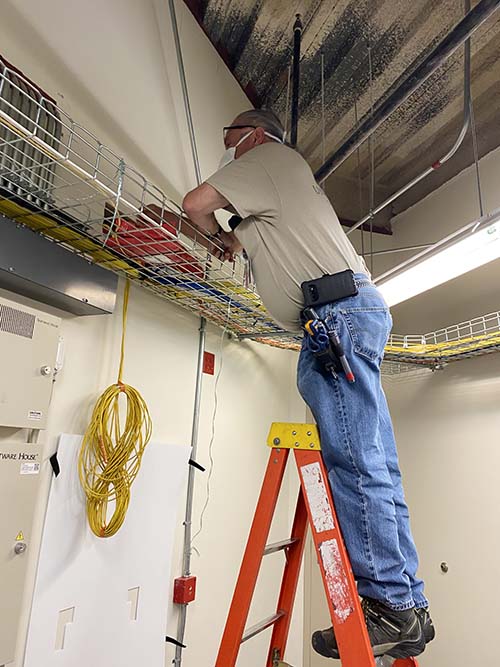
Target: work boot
(426, 623)
(399, 634)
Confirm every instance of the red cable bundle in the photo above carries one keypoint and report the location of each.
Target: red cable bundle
(152, 245)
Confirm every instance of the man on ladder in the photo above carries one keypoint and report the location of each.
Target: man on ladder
(310, 278)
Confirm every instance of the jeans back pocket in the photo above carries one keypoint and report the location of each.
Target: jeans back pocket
(369, 329)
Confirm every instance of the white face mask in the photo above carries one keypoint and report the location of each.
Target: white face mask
(230, 153)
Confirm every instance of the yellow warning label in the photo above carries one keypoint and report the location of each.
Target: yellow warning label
(20, 536)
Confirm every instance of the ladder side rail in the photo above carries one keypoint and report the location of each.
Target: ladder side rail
(289, 581)
(340, 588)
(250, 566)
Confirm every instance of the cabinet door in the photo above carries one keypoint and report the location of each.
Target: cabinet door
(19, 481)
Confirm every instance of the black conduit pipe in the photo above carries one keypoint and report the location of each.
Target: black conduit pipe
(297, 37)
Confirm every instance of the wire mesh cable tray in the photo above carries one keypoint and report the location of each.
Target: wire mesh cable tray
(58, 179)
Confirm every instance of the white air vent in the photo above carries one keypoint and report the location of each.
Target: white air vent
(16, 321)
(28, 347)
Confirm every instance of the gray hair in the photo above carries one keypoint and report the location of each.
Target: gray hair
(264, 118)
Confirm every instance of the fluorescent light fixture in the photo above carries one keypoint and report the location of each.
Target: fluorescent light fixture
(472, 246)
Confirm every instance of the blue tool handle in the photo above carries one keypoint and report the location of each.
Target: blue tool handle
(319, 342)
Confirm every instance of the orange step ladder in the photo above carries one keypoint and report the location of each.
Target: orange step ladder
(314, 506)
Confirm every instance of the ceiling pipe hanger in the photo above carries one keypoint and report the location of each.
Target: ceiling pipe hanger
(412, 78)
(438, 163)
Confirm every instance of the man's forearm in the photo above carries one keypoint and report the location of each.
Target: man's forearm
(207, 222)
(199, 205)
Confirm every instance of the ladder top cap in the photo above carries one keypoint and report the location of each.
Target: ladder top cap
(287, 435)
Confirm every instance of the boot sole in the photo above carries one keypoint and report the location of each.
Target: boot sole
(401, 650)
(407, 649)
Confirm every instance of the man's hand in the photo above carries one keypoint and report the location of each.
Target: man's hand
(231, 245)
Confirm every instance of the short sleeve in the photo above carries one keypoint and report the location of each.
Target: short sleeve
(248, 187)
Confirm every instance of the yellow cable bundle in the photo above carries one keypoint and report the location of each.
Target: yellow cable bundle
(110, 459)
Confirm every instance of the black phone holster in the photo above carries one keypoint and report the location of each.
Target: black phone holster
(328, 288)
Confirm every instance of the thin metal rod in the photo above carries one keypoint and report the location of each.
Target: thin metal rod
(186, 566)
(287, 110)
(439, 163)
(476, 159)
(185, 93)
(372, 158)
(297, 35)
(360, 185)
(279, 546)
(323, 129)
(411, 79)
(474, 133)
(186, 561)
(263, 625)
(389, 251)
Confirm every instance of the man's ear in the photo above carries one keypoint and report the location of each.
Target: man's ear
(259, 135)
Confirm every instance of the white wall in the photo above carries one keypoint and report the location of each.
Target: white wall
(447, 425)
(112, 66)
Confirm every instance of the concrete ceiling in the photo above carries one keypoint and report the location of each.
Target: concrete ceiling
(366, 46)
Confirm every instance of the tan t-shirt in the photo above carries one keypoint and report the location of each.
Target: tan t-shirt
(289, 230)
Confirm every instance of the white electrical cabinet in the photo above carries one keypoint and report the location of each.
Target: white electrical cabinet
(28, 348)
(19, 482)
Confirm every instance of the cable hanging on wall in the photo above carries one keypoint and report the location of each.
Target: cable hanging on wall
(110, 457)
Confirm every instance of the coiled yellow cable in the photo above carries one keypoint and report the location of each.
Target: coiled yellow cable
(110, 458)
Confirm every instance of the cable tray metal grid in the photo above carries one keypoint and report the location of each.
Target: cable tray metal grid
(59, 180)
(478, 336)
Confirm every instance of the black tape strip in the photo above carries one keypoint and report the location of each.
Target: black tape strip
(171, 640)
(196, 465)
(55, 464)
(234, 221)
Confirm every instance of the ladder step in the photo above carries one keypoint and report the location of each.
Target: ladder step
(259, 627)
(279, 546)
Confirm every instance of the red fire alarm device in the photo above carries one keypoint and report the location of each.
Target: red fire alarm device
(184, 590)
(208, 363)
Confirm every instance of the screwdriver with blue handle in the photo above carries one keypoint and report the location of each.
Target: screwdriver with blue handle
(320, 345)
(318, 338)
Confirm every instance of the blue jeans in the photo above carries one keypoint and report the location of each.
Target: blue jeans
(359, 451)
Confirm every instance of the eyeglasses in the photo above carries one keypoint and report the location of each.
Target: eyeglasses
(226, 129)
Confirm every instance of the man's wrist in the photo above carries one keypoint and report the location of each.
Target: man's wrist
(217, 233)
